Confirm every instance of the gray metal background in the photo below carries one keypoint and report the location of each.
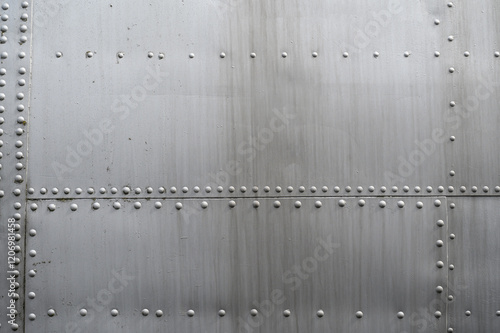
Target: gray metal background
(344, 100)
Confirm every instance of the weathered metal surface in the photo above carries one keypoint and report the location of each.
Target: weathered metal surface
(299, 255)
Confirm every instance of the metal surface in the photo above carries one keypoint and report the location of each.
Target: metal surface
(170, 141)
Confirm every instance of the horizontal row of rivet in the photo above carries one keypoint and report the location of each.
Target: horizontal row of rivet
(243, 189)
(222, 55)
(232, 204)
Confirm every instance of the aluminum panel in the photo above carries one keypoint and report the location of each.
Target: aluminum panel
(474, 227)
(301, 255)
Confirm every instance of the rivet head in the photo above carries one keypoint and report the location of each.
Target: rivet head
(287, 313)
(190, 313)
(51, 313)
(289, 189)
(73, 207)
(284, 54)
(178, 205)
(83, 312)
(359, 189)
(336, 189)
(342, 203)
(468, 313)
(277, 204)
(451, 38)
(313, 189)
(497, 54)
(450, 329)
(24, 17)
(31, 295)
(348, 189)
(440, 223)
(452, 236)
(452, 173)
(383, 189)
(32, 232)
(89, 54)
(345, 54)
(222, 313)
(436, 22)
(437, 314)
(361, 203)
(498, 313)
(196, 189)
(25, 4)
(318, 204)
(52, 207)
(406, 189)
(320, 313)
(315, 54)
(324, 189)
(437, 202)
(451, 267)
(497, 189)
(204, 204)
(32, 273)
(439, 289)
(32, 253)
(298, 204)
(253, 55)
(400, 314)
(254, 312)
(96, 205)
(474, 189)
(453, 103)
(451, 189)
(452, 205)
(420, 205)
(359, 314)
(401, 204)
(145, 312)
(138, 190)
(278, 189)
(450, 4)
(466, 54)
(486, 189)
(120, 55)
(232, 203)
(114, 312)
(191, 55)
(34, 206)
(451, 70)
(376, 54)
(371, 188)
(256, 204)
(220, 189)
(439, 243)
(173, 189)
(151, 54)
(114, 190)
(243, 189)
(450, 298)
(159, 313)
(407, 54)
(158, 205)
(126, 190)
(137, 205)
(440, 264)
(5, 6)
(267, 189)
(437, 54)
(382, 204)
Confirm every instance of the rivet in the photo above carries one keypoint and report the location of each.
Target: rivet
(159, 313)
(439, 243)
(17, 205)
(255, 189)
(145, 312)
(102, 190)
(348, 189)
(383, 189)
(359, 189)
(361, 202)
(451, 70)
(119, 55)
(437, 314)
(450, 329)
(376, 54)
(20, 96)
(232, 204)
(31, 190)
(231, 189)
(440, 264)
(406, 189)
(437, 54)
(371, 188)
(90, 190)
(33, 206)
(23, 39)
(452, 173)
(191, 55)
(32, 232)
(451, 38)
(342, 203)
(428, 189)
(298, 204)
(17, 192)
(114, 312)
(5, 6)
(3, 71)
(158, 205)
(253, 55)
(336, 189)
(20, 108)
(32, 273)
(320, 313)
(161, 56)
(289, 189)
(173, 189)
(161, 189)
(137, 205)
(497, 189)
(89, 54)
(452, 205)
(278, 189)
(196, 189)
(3, 39)
(394, 189)
(284, 54)
(51, 313)
(222, 313)
(437, 202)
(126, 190)
(267, 189)
(345, 54)
(24, 17)
(451, 189)
(450, 4)
(256, 204)
(96, 205)
(114, 190)
(73, 207)
(359, 314)
(19, 155)
(497, 54)
(420, 204)
(440, 223)
(23, 28)
(286, 313)
(452, 104)
(4, 28)
(59, 54)
(452, 236)
(466, 54)
(25, 4)
(498, 313)
(32, 253)
(254, 312)
(220, 189)
(450, 298)
(150, 54)
(178, 205)
(313, 189)
(467, 313)
(486, 189)
(436, 22)
(417, 189)
(190, 313)
(52, 207)
(31, 295)
(407, 54)
(138, 190)
(401, 204)
(382, 204)
(324, 189)
(315, 54)
(204, 204)
(474, 189)
(451, 267)
(318, 204)
(277, 204)
(400, 314)
(243, 189)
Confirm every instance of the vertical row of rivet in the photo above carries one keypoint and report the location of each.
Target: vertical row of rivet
(14, 93)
